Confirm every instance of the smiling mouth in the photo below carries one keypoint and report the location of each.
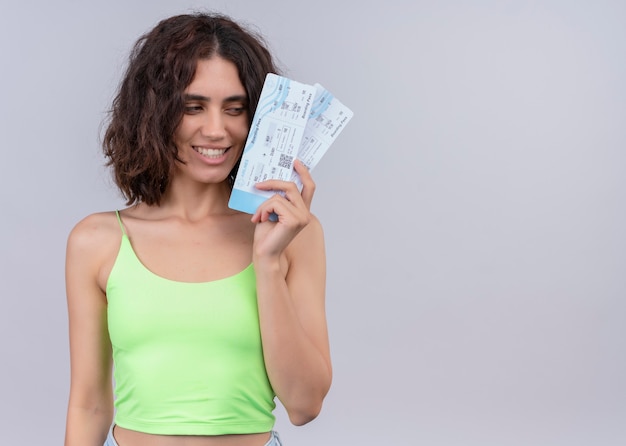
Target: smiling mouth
(210, 153)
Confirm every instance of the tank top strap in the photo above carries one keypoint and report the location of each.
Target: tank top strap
(119, 220)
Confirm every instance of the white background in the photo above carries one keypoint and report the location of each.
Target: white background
(474, 209)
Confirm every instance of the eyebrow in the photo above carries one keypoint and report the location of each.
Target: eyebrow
(199, 97)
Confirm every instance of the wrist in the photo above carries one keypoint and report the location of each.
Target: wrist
(266, 264)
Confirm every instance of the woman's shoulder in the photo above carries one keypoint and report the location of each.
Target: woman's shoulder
(95, 231)
(310, 238)
(314, 231)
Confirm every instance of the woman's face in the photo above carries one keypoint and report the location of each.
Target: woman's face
(214, 127)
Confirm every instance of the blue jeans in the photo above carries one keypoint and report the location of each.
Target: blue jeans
(273, 441)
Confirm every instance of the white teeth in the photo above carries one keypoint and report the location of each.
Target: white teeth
(210, 153)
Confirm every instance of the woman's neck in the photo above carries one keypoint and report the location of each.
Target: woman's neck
(193, 200)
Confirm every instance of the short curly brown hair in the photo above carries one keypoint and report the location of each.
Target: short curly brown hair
(138, 141)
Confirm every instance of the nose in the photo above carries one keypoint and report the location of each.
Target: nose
(213, 125)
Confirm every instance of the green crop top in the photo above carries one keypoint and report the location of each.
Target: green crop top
(187, 357)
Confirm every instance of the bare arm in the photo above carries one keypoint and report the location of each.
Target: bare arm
(291, 300)
(90, 407)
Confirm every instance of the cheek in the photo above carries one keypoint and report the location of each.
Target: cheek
(179, 133)
(240, 131)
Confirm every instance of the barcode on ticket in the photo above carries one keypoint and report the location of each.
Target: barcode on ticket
(285, 161)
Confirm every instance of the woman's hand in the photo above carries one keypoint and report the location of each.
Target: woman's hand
(293, 211)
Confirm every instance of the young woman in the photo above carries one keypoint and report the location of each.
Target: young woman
(205, 314)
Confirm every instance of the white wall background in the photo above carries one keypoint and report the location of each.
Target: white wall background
(474, 209)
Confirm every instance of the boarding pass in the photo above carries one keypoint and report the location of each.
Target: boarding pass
(292, 120)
